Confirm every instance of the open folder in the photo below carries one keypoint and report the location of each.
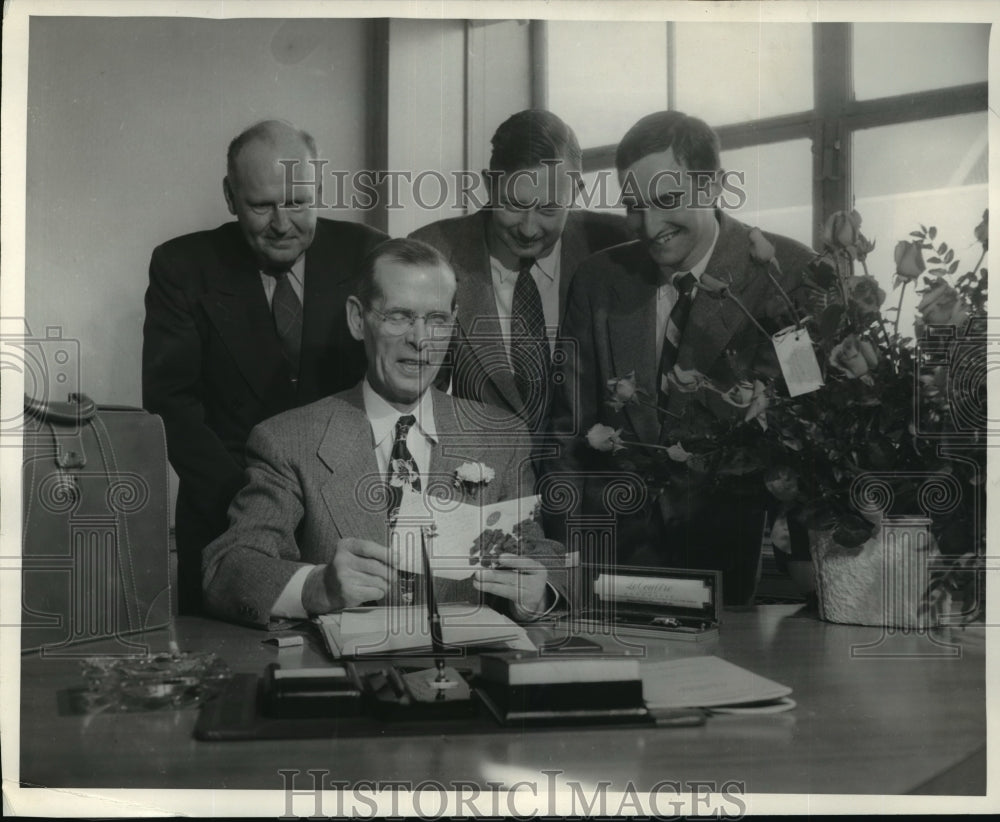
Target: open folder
(405, 629)
(712, 683)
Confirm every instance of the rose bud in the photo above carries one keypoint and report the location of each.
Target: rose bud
(605, 438)
(761, 249)
(740, 394)
(712, 285)
(686, 380)
(865, 295)
(909, 261)
(622, 390)
(848, 358)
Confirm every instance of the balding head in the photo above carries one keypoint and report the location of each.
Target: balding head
(278, 219)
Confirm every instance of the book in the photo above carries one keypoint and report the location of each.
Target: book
(712, 683)
(405, 629)
(535, 669)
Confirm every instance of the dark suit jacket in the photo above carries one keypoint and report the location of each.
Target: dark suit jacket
(212, 366)
(480, 367)
(611, 321)
(313, 479)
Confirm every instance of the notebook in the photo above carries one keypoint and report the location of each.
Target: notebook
(713, 683)
(382, 630)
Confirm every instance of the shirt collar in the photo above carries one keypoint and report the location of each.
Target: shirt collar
(383, 417)
(699, 267)
(548, 265)
(297, 270)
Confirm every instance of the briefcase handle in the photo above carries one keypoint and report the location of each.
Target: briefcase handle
(78, 409)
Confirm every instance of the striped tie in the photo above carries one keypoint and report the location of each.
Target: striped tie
(286, 308)
(529, 347)
(684, 283)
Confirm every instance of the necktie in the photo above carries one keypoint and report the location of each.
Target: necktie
(675, 328)
(402, 471)
(286, 308)
(529, 347)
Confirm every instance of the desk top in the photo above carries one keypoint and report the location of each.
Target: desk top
(878, 713)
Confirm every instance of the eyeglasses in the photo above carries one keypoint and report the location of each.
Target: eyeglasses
(398, 323)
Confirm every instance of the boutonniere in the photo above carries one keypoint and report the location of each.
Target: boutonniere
(471, 477)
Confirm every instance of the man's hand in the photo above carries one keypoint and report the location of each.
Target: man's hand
(360, 572)
(520, 579)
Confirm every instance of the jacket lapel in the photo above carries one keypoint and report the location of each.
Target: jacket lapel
(477, 308)
(237, 307)
(354, 490)
(574, 251)
(713, 320)
(632, 338)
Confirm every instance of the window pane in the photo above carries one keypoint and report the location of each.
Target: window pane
(895, 58)
(601, 192)
(593, 70)
(733, 72)
(777, 181)
(933, 172)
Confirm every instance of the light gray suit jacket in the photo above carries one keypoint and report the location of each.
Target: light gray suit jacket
(313, 479)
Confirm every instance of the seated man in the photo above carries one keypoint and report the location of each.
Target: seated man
(308, 534)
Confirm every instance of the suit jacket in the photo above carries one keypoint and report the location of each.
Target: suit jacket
(480, 367)
(313, 479)
(212, 366)
(611, 323)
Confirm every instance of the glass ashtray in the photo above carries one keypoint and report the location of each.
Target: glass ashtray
(151, 683)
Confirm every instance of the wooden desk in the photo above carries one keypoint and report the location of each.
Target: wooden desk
(863, 725)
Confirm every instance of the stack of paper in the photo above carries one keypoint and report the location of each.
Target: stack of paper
(711, 682)
(381, 630)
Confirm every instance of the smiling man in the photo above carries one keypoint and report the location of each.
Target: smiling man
(515, 260)
(245, 321)
(642, 308)
(309, 532)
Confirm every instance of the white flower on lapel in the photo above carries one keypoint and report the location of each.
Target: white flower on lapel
(473, 474)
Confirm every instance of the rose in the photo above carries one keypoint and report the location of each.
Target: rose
(983, 231)
(623, 391)
(678, 453)
(941, 305)
(473, 473)
(761, 249)
(909, 261)
(781, 538)
(759, 402)
(854, 356)
(842, 231)
(685, 380)
(712, 285)
(865, 295)
(740, 394)
(605, 438)
(783, 483)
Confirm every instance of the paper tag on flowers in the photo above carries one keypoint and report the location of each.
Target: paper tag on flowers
(797, 360)
(452, 532)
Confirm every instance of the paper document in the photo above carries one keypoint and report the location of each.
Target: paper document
(706, 682)
(451, 530)
(381, 629)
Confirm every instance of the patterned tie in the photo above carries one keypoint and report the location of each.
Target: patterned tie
(684, 283)
(402, 471)
(529, 347)
(286, 308)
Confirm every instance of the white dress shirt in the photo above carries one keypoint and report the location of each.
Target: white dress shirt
(545, 272)
(666, 294)
(383, 418)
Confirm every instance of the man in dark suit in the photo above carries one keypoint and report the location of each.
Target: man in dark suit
(243, 322)
(515, 260)
(621, 318)
(309, 533)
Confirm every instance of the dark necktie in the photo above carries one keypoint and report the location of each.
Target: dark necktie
(675, 329)
(529, 347)
(286, 308)
(402, 471)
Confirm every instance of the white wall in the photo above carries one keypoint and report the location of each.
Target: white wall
(128, 123)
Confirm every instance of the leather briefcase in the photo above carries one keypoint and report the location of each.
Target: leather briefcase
(95, 560)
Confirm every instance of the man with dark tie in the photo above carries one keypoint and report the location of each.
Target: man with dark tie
(309, 532)
(245, 321)
(642, 308)
(515, 260)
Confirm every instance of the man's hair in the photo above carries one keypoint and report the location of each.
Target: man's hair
(694, 143)
(401, 250)
(265, 131)
(524, 139)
